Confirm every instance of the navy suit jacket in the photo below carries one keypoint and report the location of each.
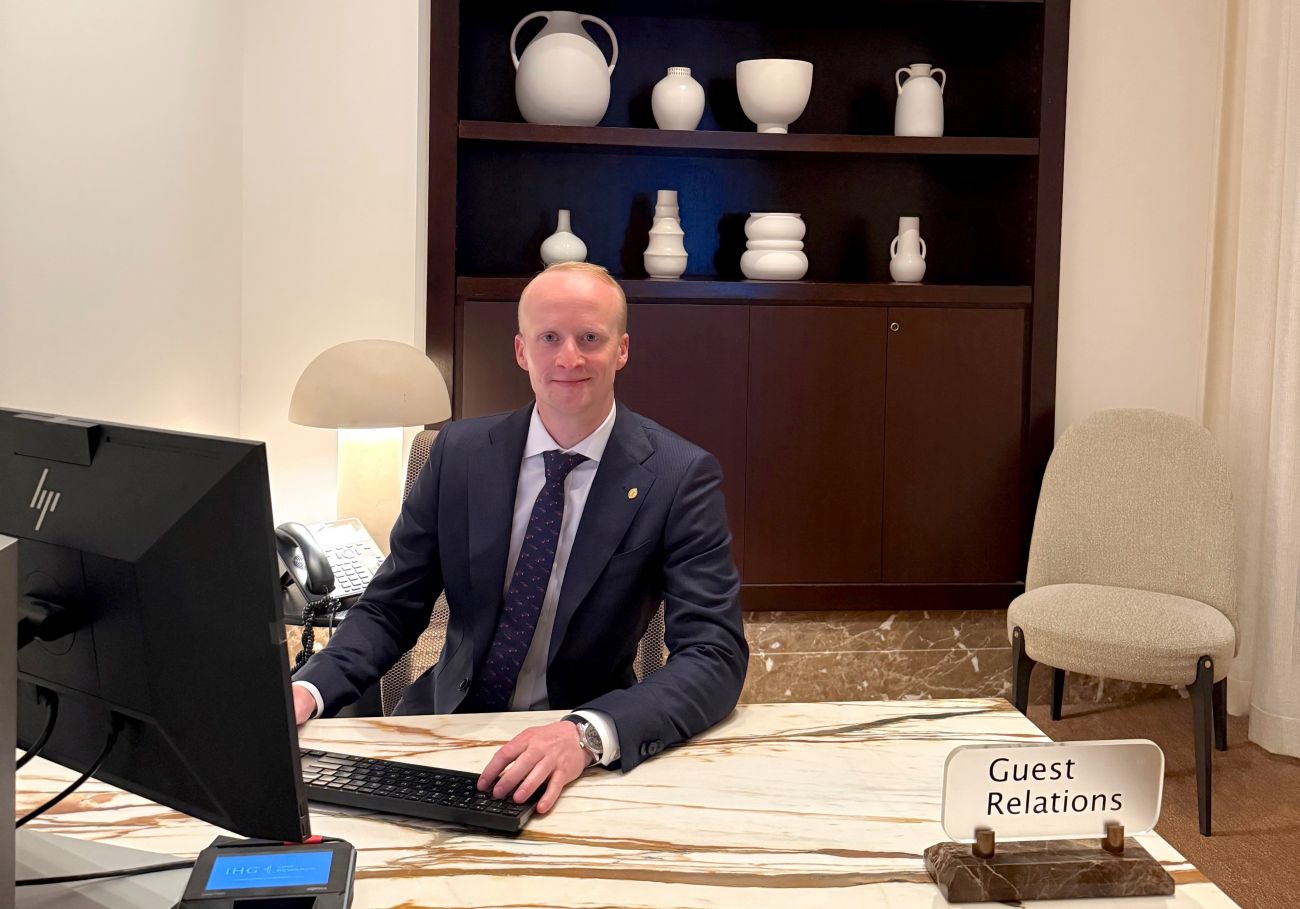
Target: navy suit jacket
(667, 541)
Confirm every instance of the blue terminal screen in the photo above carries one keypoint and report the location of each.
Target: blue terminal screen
(270, 869)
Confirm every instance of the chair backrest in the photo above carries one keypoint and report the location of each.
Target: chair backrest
(1141, 499)
(651, 651)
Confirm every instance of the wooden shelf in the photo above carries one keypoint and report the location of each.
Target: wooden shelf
(708, 290)
(718, 142)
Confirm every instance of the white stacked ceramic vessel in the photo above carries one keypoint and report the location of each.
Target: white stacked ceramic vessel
(665, 257)
(774, 247)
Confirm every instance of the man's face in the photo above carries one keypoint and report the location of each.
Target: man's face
(570, 343)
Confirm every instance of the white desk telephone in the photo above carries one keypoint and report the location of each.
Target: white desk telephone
(337, 558)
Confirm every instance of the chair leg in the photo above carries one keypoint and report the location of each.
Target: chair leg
(1202, 726)
(1221, 714)
(1058, 692)
(1021, 667)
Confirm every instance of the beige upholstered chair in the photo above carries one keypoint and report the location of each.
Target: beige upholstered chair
(1131, 568)
(650, 653)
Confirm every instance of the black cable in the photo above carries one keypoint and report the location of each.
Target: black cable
(310, 611)
(51, 700)
(118, 723)
(308, 634)
(99, 875)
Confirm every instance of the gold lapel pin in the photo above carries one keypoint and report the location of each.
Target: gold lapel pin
(631, 493)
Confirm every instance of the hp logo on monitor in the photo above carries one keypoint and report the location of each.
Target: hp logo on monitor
(46, 500)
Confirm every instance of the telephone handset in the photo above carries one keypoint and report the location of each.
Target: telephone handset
(303, 559)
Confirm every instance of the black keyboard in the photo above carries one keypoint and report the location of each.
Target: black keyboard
(411, 789)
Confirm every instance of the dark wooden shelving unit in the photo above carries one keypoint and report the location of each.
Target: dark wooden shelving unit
(700, 290)
(720, 142)
(882, 444)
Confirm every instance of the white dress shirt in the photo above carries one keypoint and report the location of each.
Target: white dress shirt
(530, 688)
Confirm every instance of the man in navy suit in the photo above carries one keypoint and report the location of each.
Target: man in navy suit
(556, 531)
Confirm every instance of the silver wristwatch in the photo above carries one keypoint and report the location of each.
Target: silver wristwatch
(588, 737)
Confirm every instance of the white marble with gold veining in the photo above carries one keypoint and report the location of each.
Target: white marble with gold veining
(781, 805)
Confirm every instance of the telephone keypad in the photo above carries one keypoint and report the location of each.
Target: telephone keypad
(352, 555)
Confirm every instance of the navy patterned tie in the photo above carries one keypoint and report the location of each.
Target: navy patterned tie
(496, 683)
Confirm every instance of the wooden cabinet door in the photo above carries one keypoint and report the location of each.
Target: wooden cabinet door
(686, 369)
(953, 419)
(816, 414)
(488, 380)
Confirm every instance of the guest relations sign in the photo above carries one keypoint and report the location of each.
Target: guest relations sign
(1052, 790)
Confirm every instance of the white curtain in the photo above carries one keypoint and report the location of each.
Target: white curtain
(1252, 400)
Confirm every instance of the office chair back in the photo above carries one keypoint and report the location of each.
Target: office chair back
(1137, 499)
(650, 655)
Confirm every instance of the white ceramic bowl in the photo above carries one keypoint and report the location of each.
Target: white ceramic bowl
(774, 225)
(773, 92)
(773, 265)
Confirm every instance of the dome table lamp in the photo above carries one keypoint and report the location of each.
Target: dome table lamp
(369, 390)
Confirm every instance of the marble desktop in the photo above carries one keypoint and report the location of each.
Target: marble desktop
(781, 805)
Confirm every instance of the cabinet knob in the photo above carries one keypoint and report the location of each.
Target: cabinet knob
(893, 326)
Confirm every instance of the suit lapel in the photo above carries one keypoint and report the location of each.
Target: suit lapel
(606, 516)
(493, 479)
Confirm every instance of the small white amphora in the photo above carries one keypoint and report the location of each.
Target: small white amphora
(919, 109)
(907, 252)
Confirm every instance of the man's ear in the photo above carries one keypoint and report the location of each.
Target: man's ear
(623, 345)
(519, 352)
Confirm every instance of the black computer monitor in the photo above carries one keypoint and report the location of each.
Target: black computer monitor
(158, 546)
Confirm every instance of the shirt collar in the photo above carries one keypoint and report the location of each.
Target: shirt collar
(593, 446)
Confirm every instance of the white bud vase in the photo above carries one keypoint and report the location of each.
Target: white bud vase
(563, 245)
(677, 100)
(666, 256)
(907, 252)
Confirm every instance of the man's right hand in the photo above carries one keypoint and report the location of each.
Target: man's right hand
(304, 705)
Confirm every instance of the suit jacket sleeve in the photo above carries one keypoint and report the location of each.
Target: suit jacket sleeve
(395, 609)
(708, 656)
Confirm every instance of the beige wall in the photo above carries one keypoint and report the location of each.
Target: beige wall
(198, 198)
(334, 247)
(1141, 135)
(119, 210)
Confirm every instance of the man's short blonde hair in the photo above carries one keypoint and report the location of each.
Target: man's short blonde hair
(599, 272)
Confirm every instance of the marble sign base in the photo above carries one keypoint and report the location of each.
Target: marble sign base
(1045, 869)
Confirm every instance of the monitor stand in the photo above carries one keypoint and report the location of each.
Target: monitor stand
(33, 854)
(48, 855)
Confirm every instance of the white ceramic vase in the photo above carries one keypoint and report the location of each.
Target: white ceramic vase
(563, 245)
(773, 92)
(774, 247)
(562, 77)
(907, 252)
(677, 100)
(666, 255)
(919, 109)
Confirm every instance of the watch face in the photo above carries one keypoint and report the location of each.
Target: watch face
(591, 739)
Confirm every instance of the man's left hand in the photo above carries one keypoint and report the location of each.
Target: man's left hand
(549, 754)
